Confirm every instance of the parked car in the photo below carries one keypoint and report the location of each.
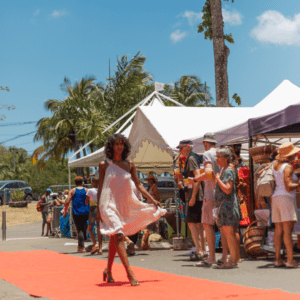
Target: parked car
(15, 184)
(166, 187)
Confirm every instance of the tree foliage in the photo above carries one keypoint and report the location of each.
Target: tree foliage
(206, 25)
(39, 180)
(189, 91)
(4, 106)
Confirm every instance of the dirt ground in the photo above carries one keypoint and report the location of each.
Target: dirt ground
(18, 216)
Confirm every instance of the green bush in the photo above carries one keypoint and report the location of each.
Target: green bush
(17, 194)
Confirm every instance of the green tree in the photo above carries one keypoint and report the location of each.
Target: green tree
(213, 28)
(189, 91)
(65, 131)
(128, 86)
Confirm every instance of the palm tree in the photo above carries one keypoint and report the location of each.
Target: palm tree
(62, 133)
(125, 88)
(189, 91)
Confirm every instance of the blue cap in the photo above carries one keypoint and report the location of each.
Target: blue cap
(49, 190)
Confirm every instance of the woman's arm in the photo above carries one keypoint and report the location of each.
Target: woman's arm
(102, 169)
(225, 187)
(288, 181)
(139, 186)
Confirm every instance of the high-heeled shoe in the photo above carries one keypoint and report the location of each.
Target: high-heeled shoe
(107, 275)
(133, 281)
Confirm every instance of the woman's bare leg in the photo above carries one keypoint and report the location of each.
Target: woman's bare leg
(99, 240)
(238, 244)
(288, 241)
(225, 249)
(231, 241)
(111, 253)
(278, 242)
(120, 246)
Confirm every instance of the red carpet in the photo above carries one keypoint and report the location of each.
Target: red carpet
(58, 276)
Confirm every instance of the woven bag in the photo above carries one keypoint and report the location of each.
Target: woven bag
(261, 154)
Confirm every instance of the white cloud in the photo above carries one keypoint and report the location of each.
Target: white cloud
(232, 18)
(178, 35)
(193, 17)
(37, 12)
(177, 24)
(273, 27)
(57, 14)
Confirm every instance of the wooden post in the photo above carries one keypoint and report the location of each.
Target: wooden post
(4, 226)
(252, 198)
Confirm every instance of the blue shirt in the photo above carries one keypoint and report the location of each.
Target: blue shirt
(79, 207)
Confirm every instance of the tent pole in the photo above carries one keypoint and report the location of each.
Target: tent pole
(252, 198)
(176, 199)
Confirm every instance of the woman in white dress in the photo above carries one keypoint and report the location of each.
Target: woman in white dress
(119, 210)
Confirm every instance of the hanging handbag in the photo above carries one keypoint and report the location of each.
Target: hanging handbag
(265, 184)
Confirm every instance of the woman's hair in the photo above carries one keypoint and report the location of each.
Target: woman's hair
(151, 179)
(227, 153)
(54, 197)
(109, 146)
(78, 180)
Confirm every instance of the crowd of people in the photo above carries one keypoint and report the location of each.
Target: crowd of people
(208, 185)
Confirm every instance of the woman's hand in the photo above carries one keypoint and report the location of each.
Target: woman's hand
(65, 213)
(99, 216)
(217, 176)
(156, 203)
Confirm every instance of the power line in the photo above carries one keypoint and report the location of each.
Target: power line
(18, 136)
(18, 123)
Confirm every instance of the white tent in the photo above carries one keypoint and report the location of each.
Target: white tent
(156, 131)
(155, 134)
(284, 95)
(92, 160)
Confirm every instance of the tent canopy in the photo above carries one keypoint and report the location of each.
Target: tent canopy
(155, 134)
(284, 95)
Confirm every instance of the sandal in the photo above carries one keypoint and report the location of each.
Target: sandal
(229, 265)
(130, 249)
(204, 264)
(80, 250)
(194, 257)
(99, 251)
(94, 250)
(295, 266)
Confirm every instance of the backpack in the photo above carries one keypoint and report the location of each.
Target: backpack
(199, 159)
(265, 183)
(39, 208)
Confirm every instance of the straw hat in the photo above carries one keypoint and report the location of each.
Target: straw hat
(286, 150)
(151, 176)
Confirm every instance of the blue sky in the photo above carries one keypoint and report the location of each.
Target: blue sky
(44, 41)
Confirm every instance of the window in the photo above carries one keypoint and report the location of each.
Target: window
(12, 185)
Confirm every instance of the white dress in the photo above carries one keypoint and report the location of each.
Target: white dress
(121, 210)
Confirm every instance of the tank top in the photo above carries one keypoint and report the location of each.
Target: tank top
(280, 189)
(79, 207)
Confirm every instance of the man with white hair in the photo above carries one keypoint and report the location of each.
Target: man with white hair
(194, 198)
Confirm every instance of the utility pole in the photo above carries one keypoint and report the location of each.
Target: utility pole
(14, 150)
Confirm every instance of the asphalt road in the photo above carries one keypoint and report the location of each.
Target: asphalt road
(252, 273)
